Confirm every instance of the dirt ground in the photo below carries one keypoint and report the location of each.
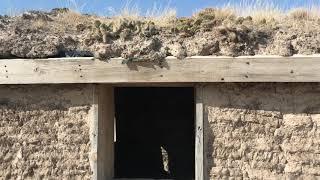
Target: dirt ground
(61, 33)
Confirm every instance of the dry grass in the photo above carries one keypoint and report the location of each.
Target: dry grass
(304, 14)
(259, 10)
(161, 16)
(65, 20)
(39, 24)
(300, 14)
(72, 18)
(269, 12)
(128, 11)
(218, 13)
(74, 5)
(303, 18)
(69, 21)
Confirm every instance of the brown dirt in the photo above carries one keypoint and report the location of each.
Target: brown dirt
(44, 132)
(262, 131)
(61, 33)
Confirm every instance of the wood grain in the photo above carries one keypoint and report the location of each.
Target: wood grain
(102, 133)
(199, 161)
(105, 162)
(190, 70)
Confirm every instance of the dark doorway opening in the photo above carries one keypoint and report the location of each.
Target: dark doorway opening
(154, 133)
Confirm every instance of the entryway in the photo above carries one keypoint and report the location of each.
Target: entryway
(154, 133)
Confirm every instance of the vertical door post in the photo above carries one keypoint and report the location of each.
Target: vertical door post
(102, 133)
(199, 175)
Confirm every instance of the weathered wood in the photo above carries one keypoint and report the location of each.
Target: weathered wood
(94, 132)
(199, 165)
(206, 128)
(194, 69)
(106, 133)
(101, 133)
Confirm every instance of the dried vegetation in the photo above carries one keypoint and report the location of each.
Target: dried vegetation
(62, 32)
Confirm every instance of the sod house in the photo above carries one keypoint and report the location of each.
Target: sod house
(198, 118)
(213, 96)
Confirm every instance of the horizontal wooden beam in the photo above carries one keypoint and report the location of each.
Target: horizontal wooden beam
(190, 70)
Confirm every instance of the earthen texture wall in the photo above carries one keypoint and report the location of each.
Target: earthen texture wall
(44, 131)
(262, 131)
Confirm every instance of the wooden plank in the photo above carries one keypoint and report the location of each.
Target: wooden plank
(199, 165)
(101, 133)
(194, 69)
(206, 129)
(94, 132)
(105, 162)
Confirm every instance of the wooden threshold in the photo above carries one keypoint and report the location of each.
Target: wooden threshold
(190, 70)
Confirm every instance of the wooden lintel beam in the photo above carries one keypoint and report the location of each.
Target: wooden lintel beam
(190, 70)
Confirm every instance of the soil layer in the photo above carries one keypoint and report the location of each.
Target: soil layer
(61, 33)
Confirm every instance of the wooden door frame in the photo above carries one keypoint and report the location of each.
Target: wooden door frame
(102, 129)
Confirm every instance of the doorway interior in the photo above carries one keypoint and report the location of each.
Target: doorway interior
(154, 132)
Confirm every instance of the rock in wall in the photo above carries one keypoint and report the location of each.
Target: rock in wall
(262, 131)
(44, 132)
